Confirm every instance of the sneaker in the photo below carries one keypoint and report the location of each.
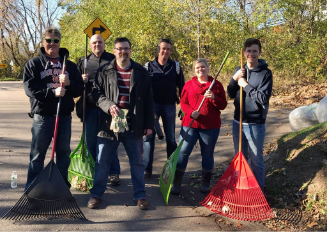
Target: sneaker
(147, 175)
(176, 189)
(205, 189)
(114, 179)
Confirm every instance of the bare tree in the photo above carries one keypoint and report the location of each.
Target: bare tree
(21, 27)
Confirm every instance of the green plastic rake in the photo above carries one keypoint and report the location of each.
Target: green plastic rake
(81, 169)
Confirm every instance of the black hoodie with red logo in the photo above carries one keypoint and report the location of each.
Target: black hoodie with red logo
(41, 78)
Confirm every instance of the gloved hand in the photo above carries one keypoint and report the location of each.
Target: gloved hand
(180, 114)
(119, 123)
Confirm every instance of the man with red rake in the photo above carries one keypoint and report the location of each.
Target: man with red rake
(256, 80)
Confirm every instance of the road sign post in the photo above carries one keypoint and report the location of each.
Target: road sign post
(98, 27)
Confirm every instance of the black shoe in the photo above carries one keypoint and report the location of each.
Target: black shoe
(93, 203)
(114, 180)
(176, 189)
(147, 175)
(142, 204)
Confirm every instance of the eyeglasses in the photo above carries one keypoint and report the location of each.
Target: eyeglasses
(52, 40)
(120, 49)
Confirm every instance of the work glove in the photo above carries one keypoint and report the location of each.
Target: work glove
(180, 114)
(119, 123)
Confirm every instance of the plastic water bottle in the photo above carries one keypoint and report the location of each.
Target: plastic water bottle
(14, 179)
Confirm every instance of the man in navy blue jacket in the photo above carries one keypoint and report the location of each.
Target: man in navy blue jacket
(166, 75)
(256, 80)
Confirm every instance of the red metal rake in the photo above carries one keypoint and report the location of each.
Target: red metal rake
(237, 194)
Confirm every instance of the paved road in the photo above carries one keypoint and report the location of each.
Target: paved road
(118, 210)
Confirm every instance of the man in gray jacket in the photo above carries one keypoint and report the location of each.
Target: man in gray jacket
(122, 85)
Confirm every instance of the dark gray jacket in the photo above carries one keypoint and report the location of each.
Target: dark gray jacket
(106, 91)
(257, 94)
(93, 64)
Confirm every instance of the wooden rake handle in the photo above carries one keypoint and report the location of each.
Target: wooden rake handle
(84, 98)
(241, 109)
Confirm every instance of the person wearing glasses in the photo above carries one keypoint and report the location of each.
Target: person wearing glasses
(166, 76)
(122, 86)
(97, 59)
(45, 84)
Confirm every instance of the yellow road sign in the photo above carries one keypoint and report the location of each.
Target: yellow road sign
(98, 27)
(3, 65)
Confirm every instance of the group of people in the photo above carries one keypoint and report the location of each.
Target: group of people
(115, 83)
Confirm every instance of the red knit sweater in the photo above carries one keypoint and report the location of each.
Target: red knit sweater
(192, 96)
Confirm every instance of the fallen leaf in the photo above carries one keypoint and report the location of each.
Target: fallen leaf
(227, 222)
(228, 134)
(239, 225)
(8, 150)
(147, 216)
(312, 224)
(220, 220)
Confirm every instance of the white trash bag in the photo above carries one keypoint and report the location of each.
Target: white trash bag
(303, 117)
(321, 110)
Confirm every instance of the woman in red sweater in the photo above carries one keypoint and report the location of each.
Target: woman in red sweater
(206, 126)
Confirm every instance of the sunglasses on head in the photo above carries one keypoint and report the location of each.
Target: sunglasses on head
(52, 40)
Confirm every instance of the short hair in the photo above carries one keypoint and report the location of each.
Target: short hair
(121, 40)
(200, 60)
(250, 41)
(51, 30)
(168, 41)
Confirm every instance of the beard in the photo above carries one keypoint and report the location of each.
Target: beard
(123, 57)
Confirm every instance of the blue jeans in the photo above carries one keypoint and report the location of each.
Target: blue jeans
(42, 133)
(207, 139)
(253, 137)
(91, 136)
(107, 151)
(168, 115)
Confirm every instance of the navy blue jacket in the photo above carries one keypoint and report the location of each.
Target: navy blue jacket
(41, 78)
(165, 80)
(257, 94)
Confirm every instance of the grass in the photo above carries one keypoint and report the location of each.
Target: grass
(10, 79)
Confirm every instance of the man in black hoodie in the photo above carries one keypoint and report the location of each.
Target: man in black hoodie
(42, 83)
(256, 80)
